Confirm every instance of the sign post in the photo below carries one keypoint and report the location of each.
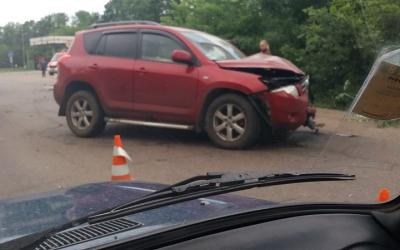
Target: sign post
(379, 97)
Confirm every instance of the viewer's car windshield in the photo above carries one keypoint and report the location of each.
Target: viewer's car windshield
(194, 86)
(214, 48)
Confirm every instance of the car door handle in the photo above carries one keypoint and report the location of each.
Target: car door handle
(94, 66)
(142, 70)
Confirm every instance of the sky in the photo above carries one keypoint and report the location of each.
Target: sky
(25, 10)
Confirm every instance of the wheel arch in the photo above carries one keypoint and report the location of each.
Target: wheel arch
(73, 87)
(210, 96)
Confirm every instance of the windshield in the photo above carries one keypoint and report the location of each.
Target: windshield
(56, 57)
(193, 87)
(214, 48)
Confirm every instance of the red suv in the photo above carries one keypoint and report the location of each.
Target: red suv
(143, 73)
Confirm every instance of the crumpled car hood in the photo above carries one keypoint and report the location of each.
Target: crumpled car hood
(262, 61)
(33, 214)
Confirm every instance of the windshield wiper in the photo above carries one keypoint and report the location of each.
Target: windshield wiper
(209, 185)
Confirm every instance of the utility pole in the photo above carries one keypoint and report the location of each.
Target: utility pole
(23, 46)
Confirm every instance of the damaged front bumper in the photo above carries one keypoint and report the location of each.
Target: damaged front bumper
(285, 111)
(310, 122)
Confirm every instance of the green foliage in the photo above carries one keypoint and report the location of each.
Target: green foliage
(84, 19)
(388, 124)
(122, 10)
(15, 37)
(342, 40)
(234, 20)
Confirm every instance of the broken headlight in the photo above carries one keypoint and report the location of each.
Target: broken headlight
(291, 90)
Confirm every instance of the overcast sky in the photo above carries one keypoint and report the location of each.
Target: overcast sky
(25, 10)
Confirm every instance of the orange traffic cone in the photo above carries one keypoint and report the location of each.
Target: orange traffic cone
(120, 169)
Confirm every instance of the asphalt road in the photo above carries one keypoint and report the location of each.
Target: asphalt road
(38, 153)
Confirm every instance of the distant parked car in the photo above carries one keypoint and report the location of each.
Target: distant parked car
(52, 67)
(154, 75)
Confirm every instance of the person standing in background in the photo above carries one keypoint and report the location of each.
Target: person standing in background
(43, 66)
(264, 47)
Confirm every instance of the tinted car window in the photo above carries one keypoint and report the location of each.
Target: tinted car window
(119, 45)
(158, 47)
(101, 45)
(90, 41)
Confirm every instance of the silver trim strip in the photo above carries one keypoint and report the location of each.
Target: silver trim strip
(151, 124)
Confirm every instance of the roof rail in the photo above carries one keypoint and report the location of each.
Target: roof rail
(101, 25)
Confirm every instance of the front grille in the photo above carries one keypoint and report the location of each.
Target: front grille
(87, 233)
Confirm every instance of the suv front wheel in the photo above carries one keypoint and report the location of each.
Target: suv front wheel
(232, 123)
(84, 115)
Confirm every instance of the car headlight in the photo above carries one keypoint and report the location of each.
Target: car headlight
(306, 82)
(291, 90)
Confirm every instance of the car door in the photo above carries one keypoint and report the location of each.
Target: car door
(114, 69)
(163, 89)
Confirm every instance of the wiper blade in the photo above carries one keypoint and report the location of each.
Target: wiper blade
(212, 184)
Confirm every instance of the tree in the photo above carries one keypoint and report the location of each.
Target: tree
(11, 41)
(84, 19)
(15, 37)
(238, 21)
(49, 24)
(342, 40)
(123, 10)
(244, 22)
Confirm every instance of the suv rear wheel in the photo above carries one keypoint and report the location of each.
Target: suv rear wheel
(232, 123)
(84, 115)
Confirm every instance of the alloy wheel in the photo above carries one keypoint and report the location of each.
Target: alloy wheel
(229, 122)
(81, 114)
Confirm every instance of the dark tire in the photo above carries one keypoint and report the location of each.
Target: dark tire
(84, 115)
(224, 127)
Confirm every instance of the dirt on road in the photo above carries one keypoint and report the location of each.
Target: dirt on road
(38, 152)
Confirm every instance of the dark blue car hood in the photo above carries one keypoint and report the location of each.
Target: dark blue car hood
(22, 216)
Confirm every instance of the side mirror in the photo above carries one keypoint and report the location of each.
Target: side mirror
(182, 56)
